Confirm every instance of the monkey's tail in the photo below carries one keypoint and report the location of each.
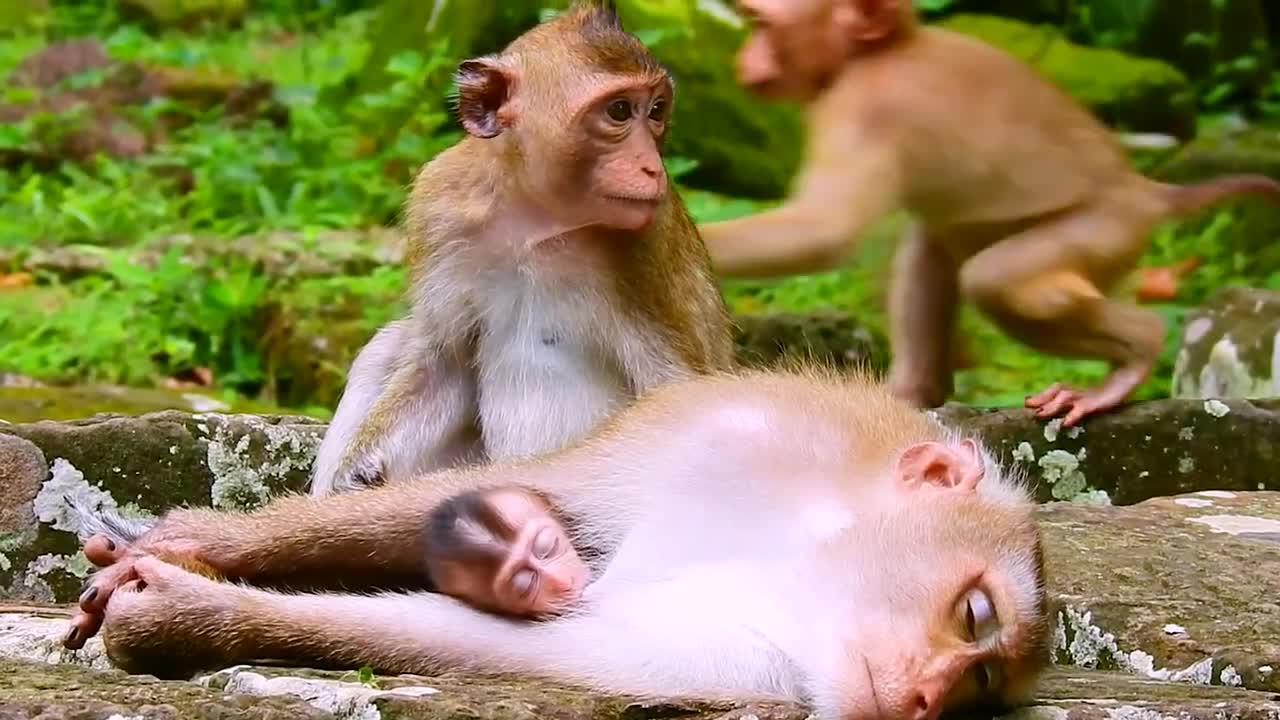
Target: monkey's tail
(1192, 198)
(107, 521)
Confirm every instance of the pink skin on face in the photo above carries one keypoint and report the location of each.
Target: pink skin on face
(541, 573)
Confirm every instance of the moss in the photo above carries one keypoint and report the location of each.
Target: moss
(30, 404)
(1127, 92)
(254, 460)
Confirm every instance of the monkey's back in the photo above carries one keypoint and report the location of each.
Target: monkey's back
(984, 137)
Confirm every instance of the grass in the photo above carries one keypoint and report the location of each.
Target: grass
(326, 169)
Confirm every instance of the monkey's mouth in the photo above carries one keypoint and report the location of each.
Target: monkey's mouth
(636, 199)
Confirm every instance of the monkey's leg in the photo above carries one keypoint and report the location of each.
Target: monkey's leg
(1038, 286)
(923, 300)
(407, 409)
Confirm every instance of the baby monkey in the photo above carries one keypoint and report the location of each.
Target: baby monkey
(504, 550)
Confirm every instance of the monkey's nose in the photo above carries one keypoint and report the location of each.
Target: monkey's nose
(559, 582)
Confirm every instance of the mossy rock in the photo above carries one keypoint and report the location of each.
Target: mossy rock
(29, 404)
(1228, 346)
(1126, 92)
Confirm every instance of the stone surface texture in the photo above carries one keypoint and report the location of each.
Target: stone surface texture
(1165, 602)
(1143, 450)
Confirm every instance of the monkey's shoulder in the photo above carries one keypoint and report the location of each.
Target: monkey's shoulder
(983, 136)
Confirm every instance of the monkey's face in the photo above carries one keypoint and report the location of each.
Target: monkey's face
(583, 121)
(793, 48)
(947, 601)
(616, 152)
(512, 556)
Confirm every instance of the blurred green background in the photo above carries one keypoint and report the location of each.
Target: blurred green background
(201, 195)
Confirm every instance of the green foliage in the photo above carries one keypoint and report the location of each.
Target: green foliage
(359, 120)
(137, 322)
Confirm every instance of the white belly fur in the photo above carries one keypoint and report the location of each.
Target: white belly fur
(537, 396)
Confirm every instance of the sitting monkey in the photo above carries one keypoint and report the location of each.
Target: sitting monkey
(504, 550)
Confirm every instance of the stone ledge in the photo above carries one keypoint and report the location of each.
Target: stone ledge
(32, 689)
(1144, 450)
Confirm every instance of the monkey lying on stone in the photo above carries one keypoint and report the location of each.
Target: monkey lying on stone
(763, 536)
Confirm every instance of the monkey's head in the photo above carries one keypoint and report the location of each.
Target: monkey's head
(577, 110)
(504, 550)
(941, 591)
(795, 47)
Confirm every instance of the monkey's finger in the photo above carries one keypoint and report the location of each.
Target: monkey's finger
(102, 550)
(83, 626)
(94, 599)
(1044, 396)
(153, 570)
(1063, 400)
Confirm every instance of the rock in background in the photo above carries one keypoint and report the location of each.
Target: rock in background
(1231, 347)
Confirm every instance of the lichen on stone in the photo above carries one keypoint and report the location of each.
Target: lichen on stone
(1092, 497)
(1186, 433)
(1186, 464)
(1229, 676)
(66, 481)
(1024, 452)
(240, 482)
(1061, 470)
(1216, 408)
(76, 565)
(1051, 429)
(1081, 643)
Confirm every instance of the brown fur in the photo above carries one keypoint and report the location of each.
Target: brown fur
(1025, 204)
(528, 210)
(811, 433)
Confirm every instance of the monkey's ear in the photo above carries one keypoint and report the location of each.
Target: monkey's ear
(942, 466)
(868, 20)
(483, 84)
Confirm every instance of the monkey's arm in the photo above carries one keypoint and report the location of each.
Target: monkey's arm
(850, 180)
(372, 538)
(406, 409)
(661, 637)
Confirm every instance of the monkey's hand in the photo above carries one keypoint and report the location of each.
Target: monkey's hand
(169, 622)
(118, 563)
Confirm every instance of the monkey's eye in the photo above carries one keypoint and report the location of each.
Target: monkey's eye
(658, 110)
(524, 581)
(987, 676)
(545, 543)
(619, 111)
(979, 614)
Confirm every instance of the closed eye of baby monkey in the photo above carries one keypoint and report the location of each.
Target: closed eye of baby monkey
(505, 551)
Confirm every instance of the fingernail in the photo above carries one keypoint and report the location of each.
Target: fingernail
(111, 544)
(89, 595)
(71, 637)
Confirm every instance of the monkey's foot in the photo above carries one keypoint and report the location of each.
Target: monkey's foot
(159, 621)
(117, 563)
(1082, 403)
